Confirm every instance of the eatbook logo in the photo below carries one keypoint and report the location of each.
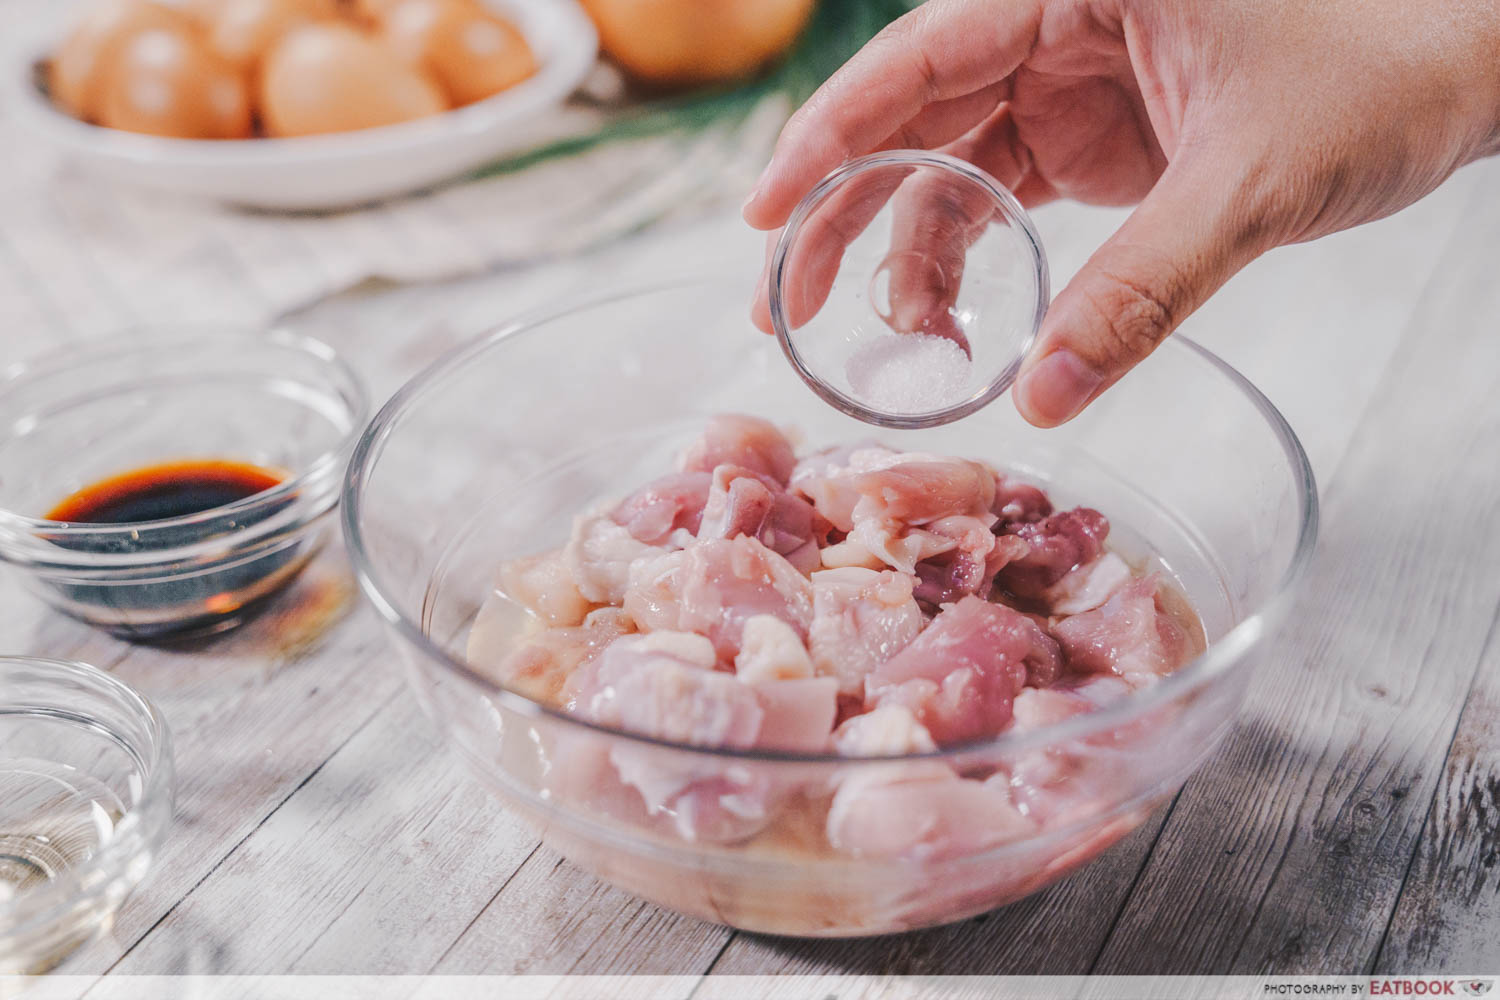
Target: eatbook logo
(1477, 987)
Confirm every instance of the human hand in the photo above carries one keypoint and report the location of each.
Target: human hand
(1237, 127)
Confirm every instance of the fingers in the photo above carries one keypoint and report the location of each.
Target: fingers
(941, 52)
(936, 219)
(1180, 245)
(813, 263)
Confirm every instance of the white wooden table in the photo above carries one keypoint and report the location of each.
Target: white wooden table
(1350, 824)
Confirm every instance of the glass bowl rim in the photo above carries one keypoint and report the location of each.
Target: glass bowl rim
(347, 386)
(1014, 214)
(144, 822)
(1219, 656)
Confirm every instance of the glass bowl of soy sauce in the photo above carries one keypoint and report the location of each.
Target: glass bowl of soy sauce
(166, 484)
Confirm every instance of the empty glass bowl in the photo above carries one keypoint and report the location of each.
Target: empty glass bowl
(907, 287)
(488, 455)
(85, 801)
(73, 418)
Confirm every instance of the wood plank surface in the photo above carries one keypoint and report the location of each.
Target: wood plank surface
(1448, 916)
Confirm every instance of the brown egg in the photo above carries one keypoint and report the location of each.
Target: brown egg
(203, 11)
(472, 53)
(333, 78)
(77, 70)
(242, 30)
(165, 81)
(373, 12)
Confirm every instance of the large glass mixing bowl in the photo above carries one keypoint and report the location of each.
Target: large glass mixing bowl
(489, 453)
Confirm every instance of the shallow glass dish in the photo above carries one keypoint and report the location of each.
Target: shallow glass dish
(488, 454)
(85, 802)
(73, 418)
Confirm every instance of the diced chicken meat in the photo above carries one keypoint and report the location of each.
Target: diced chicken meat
(861, 618)
(1129, 635)
(798, 714)
(743, 502)
(540, 665)
(544, 586)
(921, 811)
(599, 555)
(970, 566)
(667, 510)
(713, 587)
(1062, 783)
(664, 685)
(749, 442)
(1017, 502)
(1088, 586)
(861, 602)
(771, 650)
(1056, 545)
(922, 491)
(884, 731)
(960, 675)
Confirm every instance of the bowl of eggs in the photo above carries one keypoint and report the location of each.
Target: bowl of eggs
(300, 104)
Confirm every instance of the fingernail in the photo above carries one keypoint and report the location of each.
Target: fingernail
(1057, 387)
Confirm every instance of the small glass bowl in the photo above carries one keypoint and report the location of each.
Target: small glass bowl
(73, 418)
(907, 288)
(85, 801)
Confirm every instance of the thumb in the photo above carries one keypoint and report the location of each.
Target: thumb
(1192, 233)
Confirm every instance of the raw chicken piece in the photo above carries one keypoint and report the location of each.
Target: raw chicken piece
(771, 650)
(743, 502)
(825, 478)
(861, 618)
(970, 566)
(887, 731)
(732, 804)
(653, 592)
(713, 587)
(656, 513)
(1017, 502)
(1058, 543)
(1128, 635)
(919, 490)
(1087, 587)
(599, 554)
(735, 439)
(1038, 707)
(539, 667)
(664, 685)
(544, 586)
(799, 714)
(961, 673)
(920, 811)
(900, 510)
(1060, 784)
(898, 546)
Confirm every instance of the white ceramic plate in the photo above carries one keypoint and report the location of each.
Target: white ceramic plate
(341, 169)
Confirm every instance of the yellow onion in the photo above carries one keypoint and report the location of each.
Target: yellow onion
(677, 43)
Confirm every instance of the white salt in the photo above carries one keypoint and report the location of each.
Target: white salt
(909, 373)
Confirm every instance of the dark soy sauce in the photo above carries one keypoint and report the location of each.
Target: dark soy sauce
(211, 591)
(168, 490)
